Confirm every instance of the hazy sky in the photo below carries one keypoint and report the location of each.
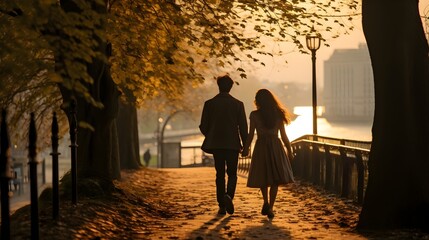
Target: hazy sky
(298, 68)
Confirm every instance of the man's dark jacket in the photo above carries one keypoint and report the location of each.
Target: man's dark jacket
(223, 123)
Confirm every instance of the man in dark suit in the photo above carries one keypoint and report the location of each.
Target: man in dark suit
(224, 125)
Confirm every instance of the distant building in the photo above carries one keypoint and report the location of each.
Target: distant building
(349, 85)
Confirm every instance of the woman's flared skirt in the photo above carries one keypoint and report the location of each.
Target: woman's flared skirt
(270, 164)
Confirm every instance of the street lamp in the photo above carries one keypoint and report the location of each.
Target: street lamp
(158, 141)
(313, 44)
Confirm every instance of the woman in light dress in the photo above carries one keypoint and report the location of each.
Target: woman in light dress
(270, 165)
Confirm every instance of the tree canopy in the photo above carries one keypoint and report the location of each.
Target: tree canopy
(158, 45)
(160, 48)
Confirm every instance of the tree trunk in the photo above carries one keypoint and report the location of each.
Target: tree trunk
(397, 195)
(97, 148)
(116, 160)
(128, 136)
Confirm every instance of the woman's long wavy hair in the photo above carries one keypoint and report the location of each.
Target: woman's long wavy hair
(270, 109)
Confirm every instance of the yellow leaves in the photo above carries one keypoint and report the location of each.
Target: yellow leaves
(190, 59)
(221, 63)
(86, 125)
(55, 78)
(148, 34)
(45, 3)
(131, 59)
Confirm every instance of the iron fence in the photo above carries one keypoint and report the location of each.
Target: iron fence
(337, 165)
(338, 168)
(14, 174)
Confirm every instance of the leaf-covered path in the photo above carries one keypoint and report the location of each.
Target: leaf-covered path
(301, 212)
(181, 204)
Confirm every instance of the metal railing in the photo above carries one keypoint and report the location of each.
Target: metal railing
(340, 168)
(196, 155)
(199, 158)
(9, 172)
(337, 165)
(244, 164)
(338, 141)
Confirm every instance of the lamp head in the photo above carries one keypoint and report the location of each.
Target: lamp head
(313, 41)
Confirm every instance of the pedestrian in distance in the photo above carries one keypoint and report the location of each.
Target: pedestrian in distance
(147, 157)
(224, 126)
(270, 165)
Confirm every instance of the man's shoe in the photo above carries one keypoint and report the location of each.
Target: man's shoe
(221, 211)
(265, 209)
(228, 204)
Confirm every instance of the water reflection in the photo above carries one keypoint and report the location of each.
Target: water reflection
(303, 124)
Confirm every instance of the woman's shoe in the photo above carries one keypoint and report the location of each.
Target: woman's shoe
(222, 211)
(265, 209)
(270, 214)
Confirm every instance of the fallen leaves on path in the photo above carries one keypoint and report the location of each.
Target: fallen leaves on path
(181, 204)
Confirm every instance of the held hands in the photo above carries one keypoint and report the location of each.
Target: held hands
(245, 152)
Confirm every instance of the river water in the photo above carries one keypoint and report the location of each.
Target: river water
(303, 124)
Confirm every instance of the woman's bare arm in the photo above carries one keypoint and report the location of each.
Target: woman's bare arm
(286, 141)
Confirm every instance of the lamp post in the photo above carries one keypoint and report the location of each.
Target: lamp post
(158, 141)
(313, 44)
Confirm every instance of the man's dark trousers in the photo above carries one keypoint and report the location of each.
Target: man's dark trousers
(230, 158)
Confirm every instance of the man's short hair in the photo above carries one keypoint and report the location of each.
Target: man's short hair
(225, 83)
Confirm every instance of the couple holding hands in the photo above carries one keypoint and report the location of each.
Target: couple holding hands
(224, 126)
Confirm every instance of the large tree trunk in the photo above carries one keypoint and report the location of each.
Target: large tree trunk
(397, 195)
(129, 146)
(116, 160)
(98, 148)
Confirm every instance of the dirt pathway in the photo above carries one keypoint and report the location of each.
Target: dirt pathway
(301, 212)
(181, 204)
